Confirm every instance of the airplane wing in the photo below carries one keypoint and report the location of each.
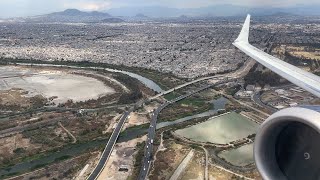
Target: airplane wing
(297, 76)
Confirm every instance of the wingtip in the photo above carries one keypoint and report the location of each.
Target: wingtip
(244, 34)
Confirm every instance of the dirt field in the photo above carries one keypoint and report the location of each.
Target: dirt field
(16, 99)
(11, 146)
(136, 119)
(307, 55)
(168, 160)
(53, 83)
(195, 169)
(219, 174)
(300, 52)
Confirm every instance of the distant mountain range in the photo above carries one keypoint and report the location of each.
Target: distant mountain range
(78, 13)
(112, 20)
(117, 15)
(212, 11)
(74, 15)
(140, 15)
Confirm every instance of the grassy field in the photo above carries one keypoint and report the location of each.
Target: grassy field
(171, 96)
(305, 52)
(184, 108)
(167, 161)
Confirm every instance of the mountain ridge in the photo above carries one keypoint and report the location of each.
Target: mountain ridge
(214, 11)
(145, 13)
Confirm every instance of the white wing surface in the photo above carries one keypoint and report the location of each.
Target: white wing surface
(297, 76)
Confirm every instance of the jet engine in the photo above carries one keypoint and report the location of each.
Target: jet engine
(287, 145)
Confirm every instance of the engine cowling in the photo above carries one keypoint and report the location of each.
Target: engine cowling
(287, 145)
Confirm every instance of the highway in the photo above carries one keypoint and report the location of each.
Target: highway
(148, 151)
(148, 156)
(109, 147)
(257, 97)
(257, 100)
(110, 144)
(247, 66)
(151, 132)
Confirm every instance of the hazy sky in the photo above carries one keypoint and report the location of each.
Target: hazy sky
(17, 8)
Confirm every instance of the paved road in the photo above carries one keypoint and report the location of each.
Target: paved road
(184, 85)
(151, 132)
(240, 72)
(109, 147)
(148, 156)
(257, 100)
(257, 97)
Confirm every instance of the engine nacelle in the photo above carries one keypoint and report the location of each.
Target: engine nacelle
(287, 145)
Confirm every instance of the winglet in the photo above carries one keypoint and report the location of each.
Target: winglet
(244, 34)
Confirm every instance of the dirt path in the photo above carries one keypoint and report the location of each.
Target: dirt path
(239, 175)
(68, 132)
(206, 177)
(160, 148)
(182, 165)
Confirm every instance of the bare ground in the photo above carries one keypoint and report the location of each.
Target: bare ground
(195, 168)
(167, 161)
(122, 155)
(136, 119)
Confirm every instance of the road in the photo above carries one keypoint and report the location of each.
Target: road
(257, 100)
(148, 156)
(109, 147)
(257, 97)
(151, 132)
(240, 72)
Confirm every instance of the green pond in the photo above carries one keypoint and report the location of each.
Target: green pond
(241, 156)
(220, 130)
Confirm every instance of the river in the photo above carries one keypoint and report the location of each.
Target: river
(77, 149)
